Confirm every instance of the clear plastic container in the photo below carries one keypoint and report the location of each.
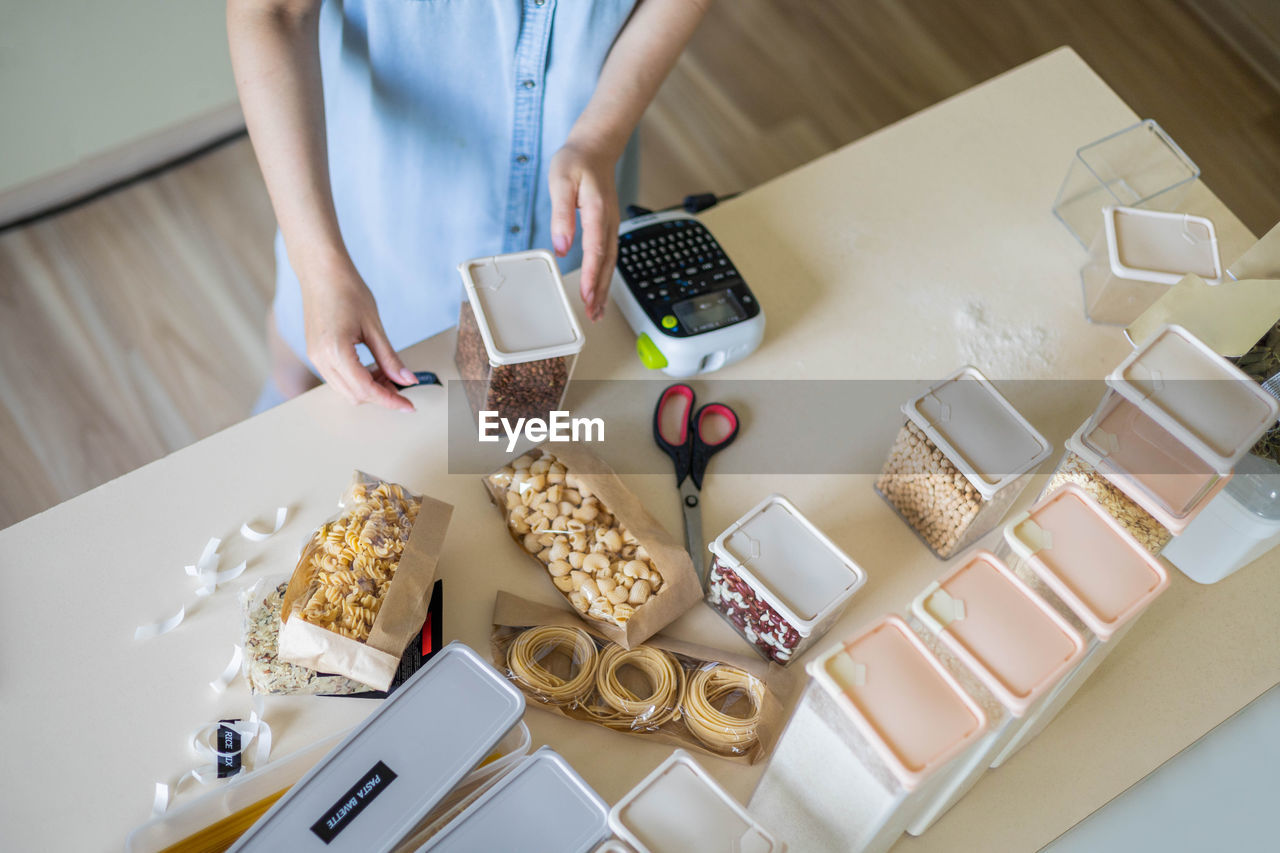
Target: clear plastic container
(1237, 527)
(1080, 559)
(542, 804)
(778, 580)
(959, 462)
(1176, 418)
(1139, 255)
(1139, 166)
(678, 808)
(1010, 640)
(878, 724)
(518, 338)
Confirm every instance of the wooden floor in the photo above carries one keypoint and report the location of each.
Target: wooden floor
(132, 325)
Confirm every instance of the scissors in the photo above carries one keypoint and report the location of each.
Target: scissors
(690, 453)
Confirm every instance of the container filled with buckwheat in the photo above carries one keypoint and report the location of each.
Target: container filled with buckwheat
(518, 339)
(959, 462)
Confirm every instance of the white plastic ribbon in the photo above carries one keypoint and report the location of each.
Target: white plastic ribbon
(253, 535)
(206, 568)
(164, 626)
(232, 669)
(202, 742)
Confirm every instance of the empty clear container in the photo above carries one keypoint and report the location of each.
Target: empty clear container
(1078, 558)
(1139, 255)
(1237, 527)
(778, 580)
(1011, 641)
(518, 338)
(959, 462)
(1139, 166)
(880, 720)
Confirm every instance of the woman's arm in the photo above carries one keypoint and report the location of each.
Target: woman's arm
(276, 57)
(582, 172)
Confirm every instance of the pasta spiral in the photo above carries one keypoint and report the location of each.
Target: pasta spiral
(709, 687)
(621, 708)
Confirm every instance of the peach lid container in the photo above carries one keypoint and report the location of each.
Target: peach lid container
(1092, 563)
(900, 697)
(1009, 637)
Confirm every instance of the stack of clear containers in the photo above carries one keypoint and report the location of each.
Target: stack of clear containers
(959, 462)
(1163, 441)
(987, 626)
(518, 339)
(1074, 554)
(870, 741)
(778, 580)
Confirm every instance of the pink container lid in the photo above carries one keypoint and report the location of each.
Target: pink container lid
(1087, 558)
(913, 712)
(1011, 639)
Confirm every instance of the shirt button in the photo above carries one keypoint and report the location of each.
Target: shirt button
(528, 84)
(522, 159)
(515, 229)
(539, 2)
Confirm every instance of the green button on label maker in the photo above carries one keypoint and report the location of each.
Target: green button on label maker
(670, 321)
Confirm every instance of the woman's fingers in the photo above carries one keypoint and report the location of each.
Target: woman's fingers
(599, 247)
(564, 204)
(384, 355)
(363, 388)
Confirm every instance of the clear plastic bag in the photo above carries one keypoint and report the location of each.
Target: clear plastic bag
(676, 692)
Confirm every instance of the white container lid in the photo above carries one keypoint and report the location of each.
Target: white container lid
(678, 808)
(790, 563)
(1087, 558)
(1150, 245)
(543, 804)
(901, 698)
(521, 307)
(1202, 399)
(380, 782)
(978, 429)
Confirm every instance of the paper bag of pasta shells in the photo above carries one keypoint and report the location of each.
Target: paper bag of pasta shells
(362, 585)
(612, 560)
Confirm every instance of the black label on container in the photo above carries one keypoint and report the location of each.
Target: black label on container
(228, 750)
(340, 815)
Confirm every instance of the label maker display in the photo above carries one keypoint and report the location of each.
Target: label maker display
(682, 295)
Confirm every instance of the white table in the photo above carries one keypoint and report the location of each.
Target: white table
(873, 262)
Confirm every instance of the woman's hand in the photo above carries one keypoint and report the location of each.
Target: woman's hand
(340, 312)
(581, 181)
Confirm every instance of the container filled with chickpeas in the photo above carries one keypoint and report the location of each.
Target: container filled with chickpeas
(518, 339)
(611, 560)
(1165, 438)
(778, 580)
(959, 462)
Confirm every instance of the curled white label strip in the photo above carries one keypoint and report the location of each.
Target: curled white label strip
(253, 535)
(232, 669)
(164, 626)
(202, 742)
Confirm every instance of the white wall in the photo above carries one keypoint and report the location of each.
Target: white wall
(93, 90)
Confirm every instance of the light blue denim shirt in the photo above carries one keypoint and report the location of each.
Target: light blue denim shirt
(442, 117)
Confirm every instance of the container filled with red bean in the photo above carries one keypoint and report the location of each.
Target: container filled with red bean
(778, 580)
(518, 339)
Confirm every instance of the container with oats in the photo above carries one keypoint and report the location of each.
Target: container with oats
(518, 339)
(1176, 419)
(959, 462)
(778, 580)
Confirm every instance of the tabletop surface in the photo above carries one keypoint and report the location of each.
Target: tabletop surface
(922, 247)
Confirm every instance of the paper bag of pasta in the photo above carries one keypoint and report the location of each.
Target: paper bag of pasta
(601, 548)
(362, 585)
